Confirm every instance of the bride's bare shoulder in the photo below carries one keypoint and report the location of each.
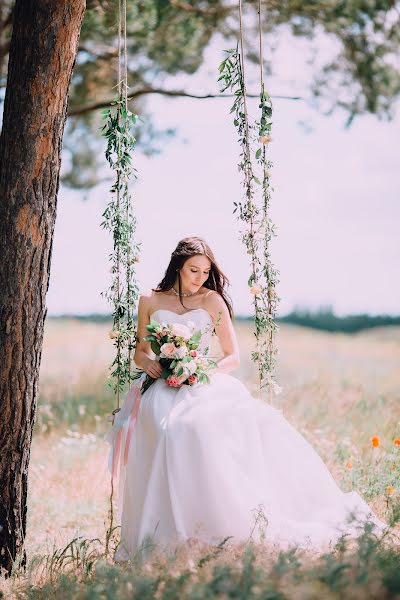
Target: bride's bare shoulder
(214, 303)
(148, 300)
(147, 294)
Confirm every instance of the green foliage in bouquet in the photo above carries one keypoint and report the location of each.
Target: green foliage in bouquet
(178, 354)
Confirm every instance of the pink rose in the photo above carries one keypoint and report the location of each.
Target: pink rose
(168, 350)
(192, 379)
(193, 353)
(172, 381)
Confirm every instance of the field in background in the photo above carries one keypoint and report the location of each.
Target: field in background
(338, 389)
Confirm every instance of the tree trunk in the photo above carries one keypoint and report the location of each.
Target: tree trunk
(42, 55)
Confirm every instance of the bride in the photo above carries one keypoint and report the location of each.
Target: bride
(208, 461)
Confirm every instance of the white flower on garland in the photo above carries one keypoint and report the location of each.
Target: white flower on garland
(256, 289)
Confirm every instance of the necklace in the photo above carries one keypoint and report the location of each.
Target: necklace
(183, 293)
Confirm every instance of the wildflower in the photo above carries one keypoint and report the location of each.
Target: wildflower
(191, 566)
(256, 289)
(396, 442)
(375, 441)
(389, 490)
(349, 465)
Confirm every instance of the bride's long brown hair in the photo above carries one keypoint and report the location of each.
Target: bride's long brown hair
(186, 248)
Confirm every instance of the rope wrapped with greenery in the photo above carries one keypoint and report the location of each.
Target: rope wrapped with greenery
(119, 219)
(254, 137)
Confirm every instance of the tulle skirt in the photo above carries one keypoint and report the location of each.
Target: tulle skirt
(211, 461)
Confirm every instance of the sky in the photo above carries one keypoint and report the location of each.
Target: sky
(335, 202)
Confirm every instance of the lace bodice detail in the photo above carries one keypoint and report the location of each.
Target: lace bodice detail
(198, 316)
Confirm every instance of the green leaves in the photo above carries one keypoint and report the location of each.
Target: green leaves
(119, 220)
(253, 210)
(196, 337)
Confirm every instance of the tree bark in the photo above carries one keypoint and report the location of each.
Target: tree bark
(42, 55)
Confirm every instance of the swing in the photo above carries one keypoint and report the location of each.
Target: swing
(119, 218)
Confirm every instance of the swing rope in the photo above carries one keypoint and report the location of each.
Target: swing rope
(271, 336)
(121, 231)
(255, 212)
(128, 216)
(118, 290)
(249, 178)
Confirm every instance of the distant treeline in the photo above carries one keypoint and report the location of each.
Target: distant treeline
(323, 319)
(326, 320)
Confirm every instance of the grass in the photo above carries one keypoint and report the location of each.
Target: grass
(338, 390)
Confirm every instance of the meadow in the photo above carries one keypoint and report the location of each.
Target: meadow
(341, 391)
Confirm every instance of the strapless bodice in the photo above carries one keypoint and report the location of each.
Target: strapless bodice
(200, 317)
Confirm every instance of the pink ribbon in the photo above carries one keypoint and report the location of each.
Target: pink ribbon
(136, 389)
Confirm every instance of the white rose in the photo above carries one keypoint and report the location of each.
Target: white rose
(180, 352)
(192, 366)
(168, 350)
(192, 325)
(181, 330)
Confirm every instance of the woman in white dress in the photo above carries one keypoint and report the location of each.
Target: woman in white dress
(208, 461)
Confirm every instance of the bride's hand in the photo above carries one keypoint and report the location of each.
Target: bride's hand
(152, 368)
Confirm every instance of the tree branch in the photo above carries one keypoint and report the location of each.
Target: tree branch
(206, 12)
(82, 110)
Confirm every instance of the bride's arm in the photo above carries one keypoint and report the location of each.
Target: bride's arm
(226, 334)
(142, 352)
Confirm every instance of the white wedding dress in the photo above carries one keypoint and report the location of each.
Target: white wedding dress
(210, 461)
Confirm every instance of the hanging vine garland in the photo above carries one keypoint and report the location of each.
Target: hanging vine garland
(122, 293)
(254, 210)
(119, 220)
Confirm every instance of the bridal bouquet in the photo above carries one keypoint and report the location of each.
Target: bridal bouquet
(177, 347)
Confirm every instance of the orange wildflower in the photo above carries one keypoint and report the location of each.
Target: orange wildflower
(349, 465)
(396, 442)
(375, 441)
(389, 489)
